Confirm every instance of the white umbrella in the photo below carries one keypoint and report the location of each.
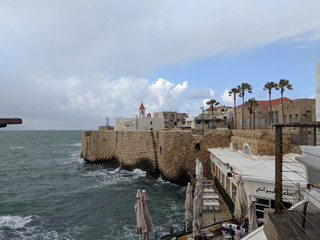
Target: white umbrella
(139, 212)
(253, 225)
(241, 203)
(197, 209)
(197, 168)
(188, 204)
(297, 196)
(148, 227)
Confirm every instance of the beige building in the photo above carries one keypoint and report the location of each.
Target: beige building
(299, 110)
(172, 119)
(139, 123)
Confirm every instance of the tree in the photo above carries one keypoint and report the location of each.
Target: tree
(269, 86)
(212, 103)
(251, 103)
(234, 92)
(282, 85)
(242, 90)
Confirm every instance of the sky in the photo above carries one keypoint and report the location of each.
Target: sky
(69, 64)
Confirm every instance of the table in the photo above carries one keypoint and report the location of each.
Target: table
(208, 190)
(213, 196)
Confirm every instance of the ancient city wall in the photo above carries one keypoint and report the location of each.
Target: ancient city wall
(130, 149)
(171, 153)
(177, 151)
(261, 142)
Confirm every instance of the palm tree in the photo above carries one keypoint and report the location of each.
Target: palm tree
(282, 85)
(269, 86)
(242, 90)
(212, 103)
(234, 92)
(252, 103)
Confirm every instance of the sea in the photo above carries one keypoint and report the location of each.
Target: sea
(48, 192)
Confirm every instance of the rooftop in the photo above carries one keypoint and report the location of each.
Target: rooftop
(266, 103)
(261, 168)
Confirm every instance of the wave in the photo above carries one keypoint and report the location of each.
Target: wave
(78, 144)
(17, 148)
(15, 222)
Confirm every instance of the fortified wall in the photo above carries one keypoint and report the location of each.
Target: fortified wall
(169, 153)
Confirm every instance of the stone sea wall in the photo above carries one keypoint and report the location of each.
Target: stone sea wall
(169, 153)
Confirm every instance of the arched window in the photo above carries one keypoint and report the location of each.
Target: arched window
(246, 149)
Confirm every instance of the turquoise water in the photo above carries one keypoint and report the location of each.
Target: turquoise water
(48, 192)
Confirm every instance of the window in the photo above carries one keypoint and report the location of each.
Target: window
(284, 118)
(197, 147)
(256, 122)
(240, 122)
(263, 121)
(296, 118)
(290, 118)
(248, 121)
(150, 122)
(277, 117)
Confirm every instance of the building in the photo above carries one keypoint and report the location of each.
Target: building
(258, 174)
(222, 119)
(172, 119)
(299, 111)
(139, 123)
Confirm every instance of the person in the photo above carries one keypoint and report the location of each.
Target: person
(237, 233)
(231, 231)
(200, 234)
(245, 233)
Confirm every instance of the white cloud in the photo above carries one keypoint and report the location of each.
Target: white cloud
(226, 99)
(65, 59)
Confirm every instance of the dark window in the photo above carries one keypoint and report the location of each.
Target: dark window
(150, 122)
(197, 147)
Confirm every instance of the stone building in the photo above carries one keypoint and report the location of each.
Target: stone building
(222, 119)
(298, 110)
(141, 123)
(172, 119)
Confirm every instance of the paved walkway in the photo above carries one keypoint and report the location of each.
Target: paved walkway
(208, 217)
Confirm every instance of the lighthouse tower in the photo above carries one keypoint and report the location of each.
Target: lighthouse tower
(142, 111)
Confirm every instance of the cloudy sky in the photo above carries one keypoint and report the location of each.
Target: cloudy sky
(68, 64)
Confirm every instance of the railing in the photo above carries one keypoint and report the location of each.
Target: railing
(288, 137)
(183, 233)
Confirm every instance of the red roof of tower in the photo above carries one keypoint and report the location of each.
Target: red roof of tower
(266, 103)
(141, 106)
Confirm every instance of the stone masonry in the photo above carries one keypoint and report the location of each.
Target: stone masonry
(171, 153)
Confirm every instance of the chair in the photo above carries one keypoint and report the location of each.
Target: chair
(209, 234)
(226, 235)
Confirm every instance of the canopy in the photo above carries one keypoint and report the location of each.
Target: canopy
(241, 203)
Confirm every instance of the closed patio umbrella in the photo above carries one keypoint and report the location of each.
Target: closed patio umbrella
(197, 209)
(241, 203)
(139, 212)
(253, 225)
(188, 205)
(148, 227)
(297, 196)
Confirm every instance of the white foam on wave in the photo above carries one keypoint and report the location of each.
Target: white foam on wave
(78, 144)
(139, 172)
(160, 180)
(14, 222)
(17, 148)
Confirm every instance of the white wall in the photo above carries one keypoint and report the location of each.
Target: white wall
(133, 124)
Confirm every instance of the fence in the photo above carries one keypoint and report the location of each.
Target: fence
(289, 136)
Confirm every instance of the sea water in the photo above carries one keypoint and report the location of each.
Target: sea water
(48, 192)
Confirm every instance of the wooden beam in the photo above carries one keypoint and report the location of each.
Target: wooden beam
(5, 121)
